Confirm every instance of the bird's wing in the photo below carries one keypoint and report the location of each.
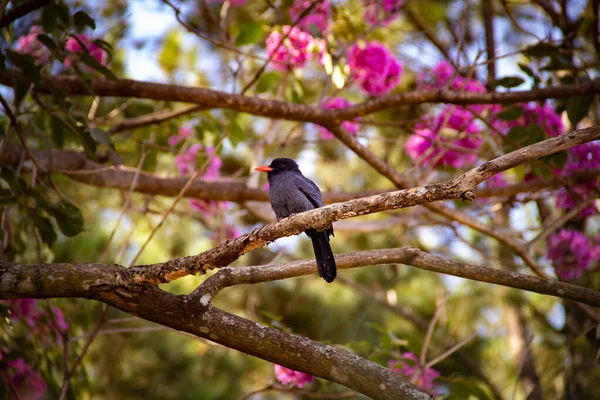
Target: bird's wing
(310, 190)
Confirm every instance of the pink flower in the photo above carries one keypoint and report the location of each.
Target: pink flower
(571, 253)
(183, 133)
(317, 18)
(60, 324)
(411, 368)
(27, 383)
(388, 8)
(533, 113)
(25, 310)
(29, 44)
(293, 52)
(214, 164)
(296, 378)
(73, 46)
(374, 67)
(186, 162)
(584, 157)
(441, 139)
(333, 103)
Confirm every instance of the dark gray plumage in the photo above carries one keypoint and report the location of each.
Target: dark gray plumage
(291, 193)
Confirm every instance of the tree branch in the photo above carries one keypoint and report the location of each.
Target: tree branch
(208, 98)
(321, 218)
(112, 285)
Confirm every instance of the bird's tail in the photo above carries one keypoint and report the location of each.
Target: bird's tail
(323, 254)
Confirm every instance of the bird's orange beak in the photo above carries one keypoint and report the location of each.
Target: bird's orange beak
(264, 168)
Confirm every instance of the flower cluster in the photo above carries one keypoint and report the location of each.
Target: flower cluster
(373, 9)
(294, 51)
(534, 113)
(289, 376)
(29, 44)
(26, 383)
(316, 19)
(410, 366)
(572, 253)
(452, 137)
(73, 45)
(39, 322)
(338, 102)
(449, 139)
(584, 157)
(374, 67)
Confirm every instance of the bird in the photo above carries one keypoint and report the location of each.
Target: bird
(290, 193)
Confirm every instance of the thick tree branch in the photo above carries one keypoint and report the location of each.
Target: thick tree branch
(208, 98)
(461, 187)
(197, 316)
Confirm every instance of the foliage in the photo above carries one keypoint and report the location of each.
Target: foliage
(330, 55)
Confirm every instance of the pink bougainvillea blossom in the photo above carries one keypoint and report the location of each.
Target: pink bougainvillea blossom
(73, 46)
(444, 75)
(29, 44)
(289, 376)
(571, 253)
(23, 380)
(581, 158)
(25, 310)
(316, 19)
(410, 366)
(534, 113)
(295, 50)
(375, 8)
(183, 133)
(349, 126)
(374, 67)
(449, 139)
(186, 161)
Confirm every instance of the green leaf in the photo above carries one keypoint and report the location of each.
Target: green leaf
(510, 114)
(557, 160)
(268, 81)
(519, 136)
(541, 50)
(46, 41)
(249, 33)
(26, 63)
(6, 196)
(95, 64)
(57, 132)
(508, 82)
(43, 225)
(16, 185)
(81, 19)
(49, 17)
(169, 56)
(527, 70)
(236, 133)
(578, 108)
(68, 217)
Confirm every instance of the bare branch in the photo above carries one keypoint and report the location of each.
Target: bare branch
(280, 109)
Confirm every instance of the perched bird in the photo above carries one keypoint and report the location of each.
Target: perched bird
(291, 193)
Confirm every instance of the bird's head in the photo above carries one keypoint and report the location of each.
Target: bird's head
(278, 165)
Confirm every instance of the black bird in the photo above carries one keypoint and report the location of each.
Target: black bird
(291, 193)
